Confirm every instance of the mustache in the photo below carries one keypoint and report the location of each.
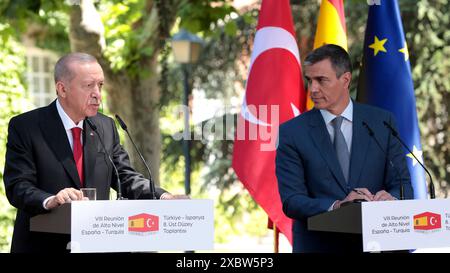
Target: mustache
(95, 100)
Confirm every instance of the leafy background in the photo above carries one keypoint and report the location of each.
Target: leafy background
(220, 73)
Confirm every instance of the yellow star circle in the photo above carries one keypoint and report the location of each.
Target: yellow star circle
(378, 46)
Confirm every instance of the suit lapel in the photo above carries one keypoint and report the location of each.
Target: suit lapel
(90, 154)
(321, 139)
(360, 144)
(54, 133)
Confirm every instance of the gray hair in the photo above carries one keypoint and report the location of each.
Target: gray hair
(339, 58)
(62, 69)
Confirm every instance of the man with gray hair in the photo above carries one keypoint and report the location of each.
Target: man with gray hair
(52, 153)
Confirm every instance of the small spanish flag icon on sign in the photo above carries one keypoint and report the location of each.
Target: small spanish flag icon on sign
(427, 221)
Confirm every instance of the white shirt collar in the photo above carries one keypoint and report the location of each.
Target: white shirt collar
(347, 114)
(66, 120)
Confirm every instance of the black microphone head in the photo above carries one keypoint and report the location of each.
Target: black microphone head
(394, 132)
(387, 125)
(91, 124)
(121, 123)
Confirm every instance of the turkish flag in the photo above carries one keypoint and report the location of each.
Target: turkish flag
(273, 95)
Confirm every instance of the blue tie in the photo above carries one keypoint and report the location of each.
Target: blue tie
(340, 146)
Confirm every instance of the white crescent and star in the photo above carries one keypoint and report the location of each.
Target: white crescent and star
(433, 220)
(267, 38)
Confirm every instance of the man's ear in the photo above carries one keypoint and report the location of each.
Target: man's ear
(346, 79)
(60, 89)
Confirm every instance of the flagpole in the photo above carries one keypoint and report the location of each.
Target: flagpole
(276, 236)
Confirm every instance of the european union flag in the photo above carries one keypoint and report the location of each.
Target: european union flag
(386, 81)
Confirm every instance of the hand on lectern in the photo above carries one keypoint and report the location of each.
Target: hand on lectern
(66, 195)
(361, 194)
(383, 196)
(168, 196)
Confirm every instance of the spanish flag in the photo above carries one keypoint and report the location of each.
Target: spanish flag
(331, 29)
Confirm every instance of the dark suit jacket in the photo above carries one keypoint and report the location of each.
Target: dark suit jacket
(310, 179)
(39, 163)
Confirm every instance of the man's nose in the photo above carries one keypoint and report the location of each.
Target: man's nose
(96, 94)
(314, 87)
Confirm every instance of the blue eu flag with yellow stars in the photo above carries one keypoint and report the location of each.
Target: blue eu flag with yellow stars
(386, 81)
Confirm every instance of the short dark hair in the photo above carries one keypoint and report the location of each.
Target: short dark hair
(339, 58)
(62, 69)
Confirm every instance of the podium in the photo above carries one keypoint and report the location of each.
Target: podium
(391, 225)
(56, 221)
(346, 219)
(132, 225)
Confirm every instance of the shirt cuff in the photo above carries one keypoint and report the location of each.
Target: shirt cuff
(44, 204)
(332, 206)
(163, 196)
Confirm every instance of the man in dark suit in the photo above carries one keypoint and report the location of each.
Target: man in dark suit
(326, 156)
(52, 153)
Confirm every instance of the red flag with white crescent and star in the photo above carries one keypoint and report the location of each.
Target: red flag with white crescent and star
(274, 94)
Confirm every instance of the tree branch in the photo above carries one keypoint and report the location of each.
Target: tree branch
(86, 33)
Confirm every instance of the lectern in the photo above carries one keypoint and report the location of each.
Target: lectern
(56, 221)
(132, 225)
(346, 219)
(391, 225)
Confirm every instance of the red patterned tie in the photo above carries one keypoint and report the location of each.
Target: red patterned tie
(78, 152)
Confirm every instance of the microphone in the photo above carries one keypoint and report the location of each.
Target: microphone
(94, 128)
(372, 134)
(395, 134)
(152, 183)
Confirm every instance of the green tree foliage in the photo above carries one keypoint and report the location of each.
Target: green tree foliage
(428, 38)
(12, 93)
(222, 71)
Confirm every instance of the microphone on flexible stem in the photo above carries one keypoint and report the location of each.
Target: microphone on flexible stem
(152, 184)
(372, 134)
(395, 134)
(94, 128)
